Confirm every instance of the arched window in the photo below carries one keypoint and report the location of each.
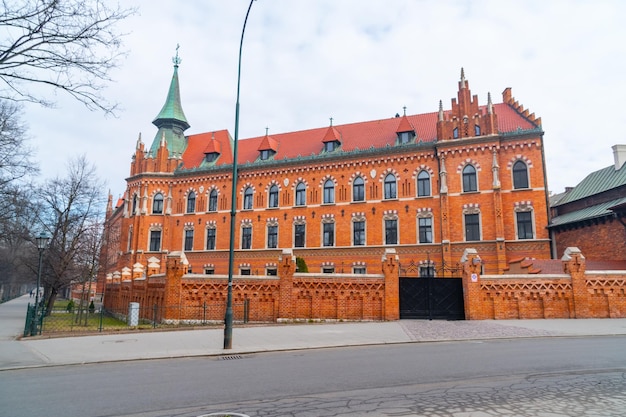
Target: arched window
(134, 206)
(329, 192)
(423, 184)
(390, 187)
(213, 200)
(273, 196)
(301, 194)
(520, 175)
(191, 202)
(469, 179)
(157, 204)
(358, 189)
(247, 198)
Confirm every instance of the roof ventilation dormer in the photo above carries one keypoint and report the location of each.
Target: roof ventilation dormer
(213, 150)
(405, 131)
(332, 138)
(268, 147)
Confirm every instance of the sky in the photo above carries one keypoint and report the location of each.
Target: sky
(306, 61)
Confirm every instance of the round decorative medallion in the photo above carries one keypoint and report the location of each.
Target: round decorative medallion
(373, 173)
(201, 189)
(286, 181)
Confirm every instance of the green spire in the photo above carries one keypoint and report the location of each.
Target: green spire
(172, 111)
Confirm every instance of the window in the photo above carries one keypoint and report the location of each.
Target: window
(476, 130)
(301, 194)
(391, 232)
(246, 238)
(209, 271)
(272, 272)
(155, 240)
(359, 270)
(455, 133)
(273, 196)
(211, 156)
(425, 229)
(299, 235)
(244, 271)
(191, 202)
(213, 200)
(469, 179)
(423, 184)
(328, 270)
(358, 233)
(265, 154)
(134, 207)
(247, 198)
(358, 189)
(472, 227)
(331, 146)
(524, 225)
(272, 236)
(210, 239)
(427, 271)
(188, 240)
(328, 234)
(520, 175)
(390, 186)
(329, 192)
(157, 204)
(405, 137)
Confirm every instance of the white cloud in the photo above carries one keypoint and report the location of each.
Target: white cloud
(306, 61)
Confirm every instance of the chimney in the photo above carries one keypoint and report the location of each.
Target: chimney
(619, 154)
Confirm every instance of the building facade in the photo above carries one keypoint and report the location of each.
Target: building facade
(427, 185)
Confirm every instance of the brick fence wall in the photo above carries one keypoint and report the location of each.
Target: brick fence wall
(575, 293)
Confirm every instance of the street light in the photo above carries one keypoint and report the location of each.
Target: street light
(228, 317)
(42, 243)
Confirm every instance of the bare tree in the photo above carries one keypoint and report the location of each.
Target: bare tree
(72, 208)
(68, 45)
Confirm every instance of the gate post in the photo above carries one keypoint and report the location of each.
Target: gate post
(391, 271)
(471, 285)
(574, 264)
(286, 269)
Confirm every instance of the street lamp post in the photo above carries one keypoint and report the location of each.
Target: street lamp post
(228, 318)
(42, 243)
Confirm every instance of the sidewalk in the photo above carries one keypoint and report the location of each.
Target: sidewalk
(172, 344)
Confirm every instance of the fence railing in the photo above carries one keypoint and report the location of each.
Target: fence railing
(84, 320)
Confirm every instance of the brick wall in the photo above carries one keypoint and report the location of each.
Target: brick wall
(603, 240)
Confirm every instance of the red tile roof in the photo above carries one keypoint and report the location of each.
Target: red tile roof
(404, 125)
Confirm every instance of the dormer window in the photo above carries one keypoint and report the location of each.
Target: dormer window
(405, 137)
(331, 146)
(266, 154)
(211, 156)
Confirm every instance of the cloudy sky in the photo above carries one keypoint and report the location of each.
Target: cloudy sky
(305, 61)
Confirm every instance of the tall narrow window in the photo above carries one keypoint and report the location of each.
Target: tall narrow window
(188, 240)
(391, 232)
(472, 227)
(520, 175)
(247, 198)
(213, 200)
(476, 130)
(155, 240)
(329, 192)
(524, 225)
(273, 196)
(390, 187)
(423, 184)
(358, 189)
(469, 179)
(210, 239)
(246, 238)
(455, 133)
(425, 229)
(272, 236)
(157, 204)
(358, 233)
(328, 234)
(191, 202)
(301, 194)
(299, 235)
(134, 206)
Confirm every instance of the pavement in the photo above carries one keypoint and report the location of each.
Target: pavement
(17, 352)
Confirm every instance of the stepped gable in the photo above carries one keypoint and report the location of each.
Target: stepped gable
(507, 98)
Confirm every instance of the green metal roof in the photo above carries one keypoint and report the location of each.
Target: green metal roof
(588, 213)
(172, 111)
(596, 183)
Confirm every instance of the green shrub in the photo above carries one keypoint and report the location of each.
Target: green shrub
(301, 265)
(70, 306)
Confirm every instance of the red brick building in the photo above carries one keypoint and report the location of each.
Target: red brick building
(592, 215)
(427, 185)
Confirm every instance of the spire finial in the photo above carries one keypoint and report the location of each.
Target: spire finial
(176, 60)
(404, 108)
(489, 104)
(331, 121)
(440, 111)
(462, 78)
(266, 130)
(139, 141)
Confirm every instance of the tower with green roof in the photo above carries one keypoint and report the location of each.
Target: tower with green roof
(171, 120)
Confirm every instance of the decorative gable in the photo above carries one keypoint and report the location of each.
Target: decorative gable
(332, 138)
(268, 147)
(405, 131)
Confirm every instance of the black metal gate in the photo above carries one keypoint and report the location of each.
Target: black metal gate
(432, 298)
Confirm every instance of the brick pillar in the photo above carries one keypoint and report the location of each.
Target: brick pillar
(471, 285)
(390, 267)
(574, 265)
(286, 269)
(176, 267)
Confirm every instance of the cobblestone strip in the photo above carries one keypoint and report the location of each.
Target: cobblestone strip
(426, 330)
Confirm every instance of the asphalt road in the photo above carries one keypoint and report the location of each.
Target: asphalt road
(561, 376)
